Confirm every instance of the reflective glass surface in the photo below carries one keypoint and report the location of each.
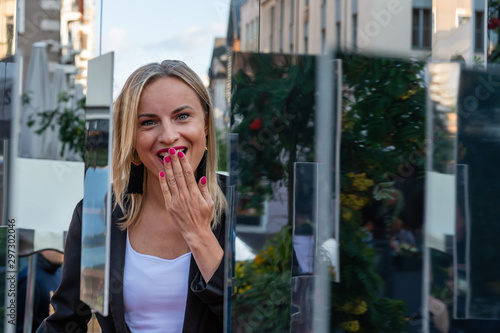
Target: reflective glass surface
(286, 229)
(96, 215)
(492, 26)
(476, 184)
(381, 196)
(462, 118)
(453, 30)
(272, 111)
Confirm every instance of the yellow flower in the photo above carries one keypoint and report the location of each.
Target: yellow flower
(360, 308)
(355, 307)
(259, 260)
(360, 182)
(347, 214)
(408, 94)
(350, 326)
(353, 201)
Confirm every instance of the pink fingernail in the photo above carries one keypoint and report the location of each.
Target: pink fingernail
(181, 154)
(167, 159)
(162, 174)
(203, 180)
(171, 151)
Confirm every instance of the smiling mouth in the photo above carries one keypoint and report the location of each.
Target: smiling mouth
(164, 152)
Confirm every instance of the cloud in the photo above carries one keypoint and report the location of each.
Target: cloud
(115, 40)
(191, 39)
(219, 28)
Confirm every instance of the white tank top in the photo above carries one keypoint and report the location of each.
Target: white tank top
(155, 292)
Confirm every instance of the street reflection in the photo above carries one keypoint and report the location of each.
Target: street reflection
(96, 214)
(272, 110)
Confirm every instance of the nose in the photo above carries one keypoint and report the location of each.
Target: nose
(169, 133)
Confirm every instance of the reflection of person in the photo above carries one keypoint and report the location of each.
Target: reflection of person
(167, 232)
(401, 237)
(47, 279)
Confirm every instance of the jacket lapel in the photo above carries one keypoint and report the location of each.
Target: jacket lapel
(117, 265)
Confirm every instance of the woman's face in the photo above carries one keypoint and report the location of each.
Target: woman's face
(170, 115)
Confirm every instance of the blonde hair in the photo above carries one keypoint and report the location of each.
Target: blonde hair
(125, 124)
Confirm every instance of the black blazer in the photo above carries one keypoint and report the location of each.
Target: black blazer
(204, 305)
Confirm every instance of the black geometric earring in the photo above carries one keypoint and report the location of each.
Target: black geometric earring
(202, 167)
(136, 177)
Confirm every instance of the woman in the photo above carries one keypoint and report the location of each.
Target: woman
(167, 238)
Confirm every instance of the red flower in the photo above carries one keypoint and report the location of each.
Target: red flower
(256, 125)
(493, 23)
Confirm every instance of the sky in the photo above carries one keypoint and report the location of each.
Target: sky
(154, 30)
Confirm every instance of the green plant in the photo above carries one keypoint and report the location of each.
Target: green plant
(262, 287)
(71, 122)
(273, 113)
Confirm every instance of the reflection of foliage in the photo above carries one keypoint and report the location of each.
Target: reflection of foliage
(222, 150)
(275, 107)
(494, 28)
(382, 134)
(71, 122)
(383, 127)
(262, 287)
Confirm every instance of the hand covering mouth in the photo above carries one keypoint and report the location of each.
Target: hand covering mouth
(164, 152)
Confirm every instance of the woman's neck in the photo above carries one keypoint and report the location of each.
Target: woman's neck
(152, 195)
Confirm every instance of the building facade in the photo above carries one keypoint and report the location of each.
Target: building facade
(405, 28)
(66, 26)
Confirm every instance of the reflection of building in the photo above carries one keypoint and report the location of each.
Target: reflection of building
(217, 74)
(401, 28)
(65, 26)
(77, 32)
(38, 21)
(249, 26)
(7, 13)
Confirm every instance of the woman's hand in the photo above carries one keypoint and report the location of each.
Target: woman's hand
(190, 208)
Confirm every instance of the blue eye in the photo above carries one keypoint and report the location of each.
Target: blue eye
(148, 122)
(183, 116)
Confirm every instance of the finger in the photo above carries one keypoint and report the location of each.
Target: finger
(202, 185)
(164, 187)
(188, 173)
(169, 176)
(177, 169)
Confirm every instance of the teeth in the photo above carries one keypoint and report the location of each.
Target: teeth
(165, 153)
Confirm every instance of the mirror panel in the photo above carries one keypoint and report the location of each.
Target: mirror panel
(492, 26)
(272, 111)
(462, 116)
(96, 215)
(476, 185)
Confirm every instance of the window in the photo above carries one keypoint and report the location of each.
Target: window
(323, 26)
(292, 2)
(306, 36)
(271, 37)
(323, 41)
(247, 36)
(479, 33)
(338, 8)
(282, 14)
(256, 35)
(421, 28)
(83, 40)
(337, 28)
(355, 31)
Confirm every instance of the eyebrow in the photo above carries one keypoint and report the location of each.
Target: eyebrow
(179, 109)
